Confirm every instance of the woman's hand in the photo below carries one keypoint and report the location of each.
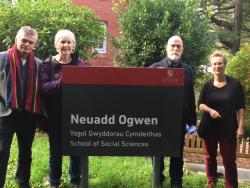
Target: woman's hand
(240, 133)
(214, 114)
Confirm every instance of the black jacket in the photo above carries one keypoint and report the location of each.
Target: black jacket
(189, 113)
(230, 124)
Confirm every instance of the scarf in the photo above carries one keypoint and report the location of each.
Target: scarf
(32, 102)
(174, 63)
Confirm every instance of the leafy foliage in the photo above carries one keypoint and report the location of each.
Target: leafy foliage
(222, 14)
(239, 67)
(147, 25)
(48, 17)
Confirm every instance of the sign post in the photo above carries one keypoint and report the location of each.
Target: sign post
(85, 171)
(111, 111)
(156, 183)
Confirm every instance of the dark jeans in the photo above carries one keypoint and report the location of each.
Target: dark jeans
(23, 124)
(55, 160)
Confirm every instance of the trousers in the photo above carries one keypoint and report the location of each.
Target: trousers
(176, 164)
(228, 154)
(55, 159)
(23, 124)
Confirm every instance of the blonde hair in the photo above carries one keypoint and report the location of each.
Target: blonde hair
(218, 53)
(64, 32)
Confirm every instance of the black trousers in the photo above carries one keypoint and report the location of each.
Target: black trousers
(23, 124)
(55, 159)
(176, 164)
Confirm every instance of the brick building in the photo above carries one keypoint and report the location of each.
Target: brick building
(103, 10)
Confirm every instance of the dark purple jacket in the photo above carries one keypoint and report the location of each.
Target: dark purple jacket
(51, 87)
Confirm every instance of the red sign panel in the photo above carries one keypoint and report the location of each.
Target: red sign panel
(123, 76)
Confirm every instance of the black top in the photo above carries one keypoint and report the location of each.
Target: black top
(219, 100)
(227, 100)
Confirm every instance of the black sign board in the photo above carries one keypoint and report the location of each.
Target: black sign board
(111, 111)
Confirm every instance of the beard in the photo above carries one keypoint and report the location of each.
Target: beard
(174, 57)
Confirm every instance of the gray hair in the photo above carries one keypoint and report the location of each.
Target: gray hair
(28, 31)
(64, 32)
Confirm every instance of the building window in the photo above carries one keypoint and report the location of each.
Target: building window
(101, 46)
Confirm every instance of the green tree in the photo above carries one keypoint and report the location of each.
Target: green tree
(239, 67)
(231, 19)
(48, 17)
(147, 25)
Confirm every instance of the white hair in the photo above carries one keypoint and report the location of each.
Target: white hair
(175, 37)
(64, 32)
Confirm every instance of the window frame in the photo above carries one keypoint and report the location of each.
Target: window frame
(103, 49)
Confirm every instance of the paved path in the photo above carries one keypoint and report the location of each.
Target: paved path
(243, 174)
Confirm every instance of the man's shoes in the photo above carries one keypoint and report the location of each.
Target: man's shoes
(72, 185)
(24, 186)
(162, 178)
(54, 186)
(176, 184)
(75, 186)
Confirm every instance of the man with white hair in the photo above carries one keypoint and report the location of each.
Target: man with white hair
(19, 102)
(173, 59)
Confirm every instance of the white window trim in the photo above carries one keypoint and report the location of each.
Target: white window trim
(103, 50)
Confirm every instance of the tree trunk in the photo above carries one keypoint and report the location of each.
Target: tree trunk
(237, 26)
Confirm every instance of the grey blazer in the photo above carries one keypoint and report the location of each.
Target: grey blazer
(4, 71)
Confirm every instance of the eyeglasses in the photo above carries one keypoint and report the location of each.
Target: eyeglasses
(24, 41)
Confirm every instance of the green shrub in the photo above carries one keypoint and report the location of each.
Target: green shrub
(147, 25)
(239, 67)
(48, 17)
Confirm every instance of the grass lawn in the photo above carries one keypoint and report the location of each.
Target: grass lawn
(104, 172)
